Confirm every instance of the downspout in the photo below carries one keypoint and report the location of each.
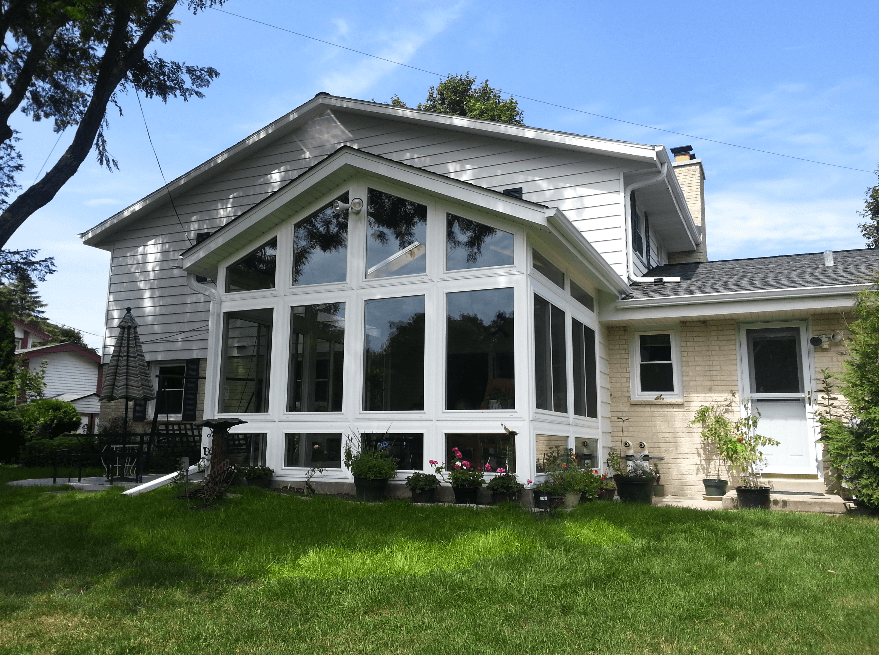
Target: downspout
(630, 264)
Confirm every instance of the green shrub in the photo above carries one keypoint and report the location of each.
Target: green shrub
(47, 419)
(505, 483)
(420, 482)
(40, 452)
(11, 436)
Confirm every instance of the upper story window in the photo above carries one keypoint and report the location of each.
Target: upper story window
(247, 348)
(480, 371)
(550, 361)
(254, 271)
(320, 246)
(582, 296)
(549, 270)
(637, 239)
(396, 240)
(317, 358)
(656, 369)
(470, 244)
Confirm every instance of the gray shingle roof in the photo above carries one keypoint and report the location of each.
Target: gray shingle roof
(761, 273)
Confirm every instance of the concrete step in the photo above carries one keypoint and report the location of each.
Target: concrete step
(795, 501)
(807, 483)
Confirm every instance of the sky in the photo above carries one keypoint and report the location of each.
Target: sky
(737, 81)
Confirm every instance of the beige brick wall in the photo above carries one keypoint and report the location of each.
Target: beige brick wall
(710, 373)
(691, 177)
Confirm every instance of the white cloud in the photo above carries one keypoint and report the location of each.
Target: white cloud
(98, 202)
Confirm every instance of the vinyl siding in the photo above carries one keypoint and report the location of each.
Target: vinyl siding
(67, 373)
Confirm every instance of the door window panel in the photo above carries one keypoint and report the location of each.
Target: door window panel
(396, 242)
(317, 358)
(774, 360)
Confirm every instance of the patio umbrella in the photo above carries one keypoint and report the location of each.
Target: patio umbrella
(127, 375)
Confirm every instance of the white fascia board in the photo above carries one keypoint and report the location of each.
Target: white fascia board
(595, 263)
(677, 195)
(738, 302)
(345, 163)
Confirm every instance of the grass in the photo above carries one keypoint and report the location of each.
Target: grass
(267, 573)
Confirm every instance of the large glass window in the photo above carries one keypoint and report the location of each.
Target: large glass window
(247, 345)
(550, 361)
(470, 244)
(656, 364)
(582, 296)
(320, 246)
(549, 270)
(407, 449)
(585, 370)
(317, 352)
(496, 450)
(307, 450)
(254, 271)
(479, 350)
(394, 354)
(396, 241)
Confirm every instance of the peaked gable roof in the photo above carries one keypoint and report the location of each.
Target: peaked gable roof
(75, 348)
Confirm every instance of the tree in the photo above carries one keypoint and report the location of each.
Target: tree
(20, 297)
(66, 60)
(61, 334)
(870, 228)
(459, 95)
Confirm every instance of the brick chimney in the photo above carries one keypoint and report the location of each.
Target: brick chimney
(691, 177)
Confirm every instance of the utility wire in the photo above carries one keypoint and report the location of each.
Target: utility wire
(551, 104)
(60, 134)
(156, 155)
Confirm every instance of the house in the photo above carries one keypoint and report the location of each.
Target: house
(433, 281)
(72, 373)
(27, 336)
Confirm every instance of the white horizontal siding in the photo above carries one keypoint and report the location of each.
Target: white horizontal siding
(172, 317)
(67, 373)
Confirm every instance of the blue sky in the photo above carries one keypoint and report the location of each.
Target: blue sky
(796, 78)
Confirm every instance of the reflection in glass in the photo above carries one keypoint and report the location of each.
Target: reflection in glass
(396, 236)
(774, 359)
(247, 345)
(320, 246)
(496, 450)
(256, 270)
(247, 448)
(550, 362)
(474, 245)
(549, 270)
(308, 450)
(317, 350)
(657, 370)
(407, 449)
(582, 296)
(585, 370)
(394, 354)
(479, 350)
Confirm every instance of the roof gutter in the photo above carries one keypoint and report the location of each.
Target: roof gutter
(630, 264)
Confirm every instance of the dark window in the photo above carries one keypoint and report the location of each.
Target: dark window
(549, 270)
(496, 450)
(480, 372)
(169, 397)
(394, 354)
(317, 352)
(307, 450)
(470, 244)
(246, 449)
(583, 297)
(656, 367)
(637, 240)
(254, 271)
(585, 370)
(247, 345)
(407, 449)
(396, 241)
(320, 246)
(775, 361)
(550, 377)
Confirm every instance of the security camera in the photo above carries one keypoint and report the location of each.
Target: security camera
(819, 340)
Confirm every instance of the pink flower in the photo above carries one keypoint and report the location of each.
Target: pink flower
(433, 462)
(457, 465)
(502, 470)
(466, 464)
(488, 467)
(529, 481)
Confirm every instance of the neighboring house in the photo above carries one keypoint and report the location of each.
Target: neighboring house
(430, 280)
(27, 336)
(72, 373)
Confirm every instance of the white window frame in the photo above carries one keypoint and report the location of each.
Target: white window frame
(154, 375)
(635, 365)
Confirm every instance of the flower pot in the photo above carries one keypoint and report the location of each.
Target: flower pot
(715, 487)
(635, 490)
(606, 494)
(426, 496)
(370, 490)
(504, 497)
(543, 500)
(753, 498)
(466, 495)
(571, 500)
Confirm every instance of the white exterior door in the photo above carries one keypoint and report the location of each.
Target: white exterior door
(775, 375)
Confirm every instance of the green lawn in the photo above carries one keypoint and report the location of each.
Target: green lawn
(267, 573)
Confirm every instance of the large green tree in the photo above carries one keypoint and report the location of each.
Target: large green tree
(20, 297)
(870, 226)
(66, 60)
(460, 95)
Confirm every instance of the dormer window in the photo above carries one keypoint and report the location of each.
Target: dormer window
(254, 271)
(396, 242)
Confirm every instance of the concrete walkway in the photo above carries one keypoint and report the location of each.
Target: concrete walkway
(88, 484)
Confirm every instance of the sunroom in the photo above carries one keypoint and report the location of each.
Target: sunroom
(372, 301)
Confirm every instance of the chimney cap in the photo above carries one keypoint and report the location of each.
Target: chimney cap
(681, 150)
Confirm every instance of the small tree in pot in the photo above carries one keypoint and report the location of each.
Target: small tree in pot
(718, 434)
(371, 469)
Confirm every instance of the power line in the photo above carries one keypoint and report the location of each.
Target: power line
(60, 134)
(546, 102)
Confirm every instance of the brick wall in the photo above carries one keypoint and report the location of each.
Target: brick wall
(691, 177)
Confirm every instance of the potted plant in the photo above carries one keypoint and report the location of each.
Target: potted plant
(590, 486)
(607, 488)
(466, 478)
(634, 483)
(718, 433)
(504, 487)
(255, 476)
(371, 469)
(423, 486)
(560, 465)
(548, 495)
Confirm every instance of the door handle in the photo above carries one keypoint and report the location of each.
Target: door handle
(809, 398)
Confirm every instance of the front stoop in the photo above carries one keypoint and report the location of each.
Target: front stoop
(795, 501)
